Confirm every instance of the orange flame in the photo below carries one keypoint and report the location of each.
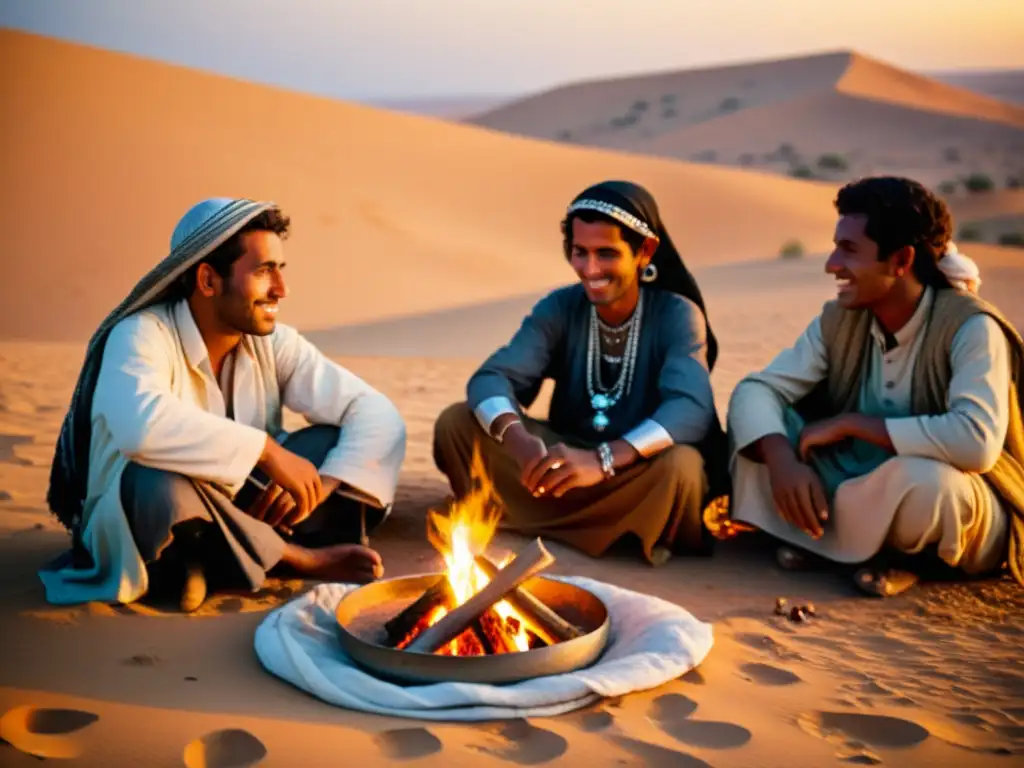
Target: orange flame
(716, 520)
(462, 536)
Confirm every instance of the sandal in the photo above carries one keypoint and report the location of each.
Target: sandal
(877, 582)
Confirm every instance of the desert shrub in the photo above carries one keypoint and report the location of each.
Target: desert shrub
(951, 155)
(979, 182)
(947, 188)
(970, 233)
(833, 162)
(1013, 183)
(668, 112)
(1016, 239)
(564, 135)
(729, 104)
(791, 249)
(801, 171)
(625, 120)
(640, 106)
(668, 98)
(747, 158)
(786, 151)
(706, 156)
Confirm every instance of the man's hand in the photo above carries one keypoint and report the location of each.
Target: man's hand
(798, 494)
(523, 447)
(277, 508)
(821, 434)
(561, 470)
(294, 475)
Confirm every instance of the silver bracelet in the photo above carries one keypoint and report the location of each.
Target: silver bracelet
(500, 437)
(604, 453)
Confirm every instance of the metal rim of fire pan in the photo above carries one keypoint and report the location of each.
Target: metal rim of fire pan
(422, 668)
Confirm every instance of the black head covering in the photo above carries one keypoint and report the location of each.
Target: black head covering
(634, 207)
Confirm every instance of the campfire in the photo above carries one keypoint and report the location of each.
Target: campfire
(478, 607)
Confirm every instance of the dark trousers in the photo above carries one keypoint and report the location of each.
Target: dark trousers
(174, 517)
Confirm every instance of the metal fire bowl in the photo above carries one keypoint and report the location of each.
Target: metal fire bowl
(362, 643)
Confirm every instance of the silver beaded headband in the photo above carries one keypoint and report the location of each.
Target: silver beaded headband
(620, 215)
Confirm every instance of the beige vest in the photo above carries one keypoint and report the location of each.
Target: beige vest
(847, 337)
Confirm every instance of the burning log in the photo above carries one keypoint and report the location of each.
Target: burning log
(548, 625)
(528, 563)
(402, 627)
(490, 627)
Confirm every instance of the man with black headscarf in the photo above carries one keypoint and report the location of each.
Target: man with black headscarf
(633, 444)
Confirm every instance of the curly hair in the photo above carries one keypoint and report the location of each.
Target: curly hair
(633, 239)
(902, 212)
(227, 253)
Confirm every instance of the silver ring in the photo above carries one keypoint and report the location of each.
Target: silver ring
(558, 464)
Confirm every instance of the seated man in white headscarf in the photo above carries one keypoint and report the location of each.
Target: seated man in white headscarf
(172, 463)
(889, 435)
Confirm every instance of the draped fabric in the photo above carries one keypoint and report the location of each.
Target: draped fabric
(202, 229)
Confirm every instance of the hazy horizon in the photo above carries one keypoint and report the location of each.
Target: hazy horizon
(397, 50)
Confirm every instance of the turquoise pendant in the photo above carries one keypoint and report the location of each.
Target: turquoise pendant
(600, 422)
(600, 402)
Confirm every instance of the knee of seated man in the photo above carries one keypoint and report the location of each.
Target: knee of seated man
(681, 462)
(924, 479)
(455, 419)
(155, 488)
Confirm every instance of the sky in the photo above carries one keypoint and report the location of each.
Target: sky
(396, 49)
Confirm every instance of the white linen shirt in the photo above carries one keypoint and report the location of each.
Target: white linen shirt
(157, 403)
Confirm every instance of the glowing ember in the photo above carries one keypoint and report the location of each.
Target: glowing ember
(716, 520)
(460, 537)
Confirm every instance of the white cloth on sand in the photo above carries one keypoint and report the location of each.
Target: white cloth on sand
(651, 642)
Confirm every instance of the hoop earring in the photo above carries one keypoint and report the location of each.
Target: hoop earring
(650, 274)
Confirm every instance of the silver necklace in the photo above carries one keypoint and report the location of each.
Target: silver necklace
(601, 397)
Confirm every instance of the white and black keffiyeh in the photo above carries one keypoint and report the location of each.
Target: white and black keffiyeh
(205, 226)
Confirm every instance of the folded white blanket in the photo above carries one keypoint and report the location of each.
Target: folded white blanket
(651, 642)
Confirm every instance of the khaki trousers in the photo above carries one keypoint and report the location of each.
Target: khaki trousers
(658, 500)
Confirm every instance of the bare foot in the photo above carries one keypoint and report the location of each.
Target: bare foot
(342, 562)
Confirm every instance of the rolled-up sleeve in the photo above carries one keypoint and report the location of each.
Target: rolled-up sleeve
(519, 365)
(372, 443)
(970, 435)
(684, 384)
(757, 406)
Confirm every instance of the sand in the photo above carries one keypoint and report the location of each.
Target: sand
(1003, 84)
(831, 116)
(930, 678)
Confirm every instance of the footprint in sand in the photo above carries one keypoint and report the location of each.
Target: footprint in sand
(408, 743)
(45, 733)
(671, 712)
(592, 720)
(142, 660)
(770, 645)
(694, 677)
(875, 730)
(229, 748)
(652, 754)
(766, 674)
(518, 741)
(7, 445)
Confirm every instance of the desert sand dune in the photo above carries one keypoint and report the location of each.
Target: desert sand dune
(418, 246)
(1005, 84)
(837, 135)
(779, 115)
(393, 213)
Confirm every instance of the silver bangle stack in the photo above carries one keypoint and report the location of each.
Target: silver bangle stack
(604, 453)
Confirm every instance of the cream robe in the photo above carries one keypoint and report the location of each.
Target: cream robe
(157, 403)
(930, 492)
